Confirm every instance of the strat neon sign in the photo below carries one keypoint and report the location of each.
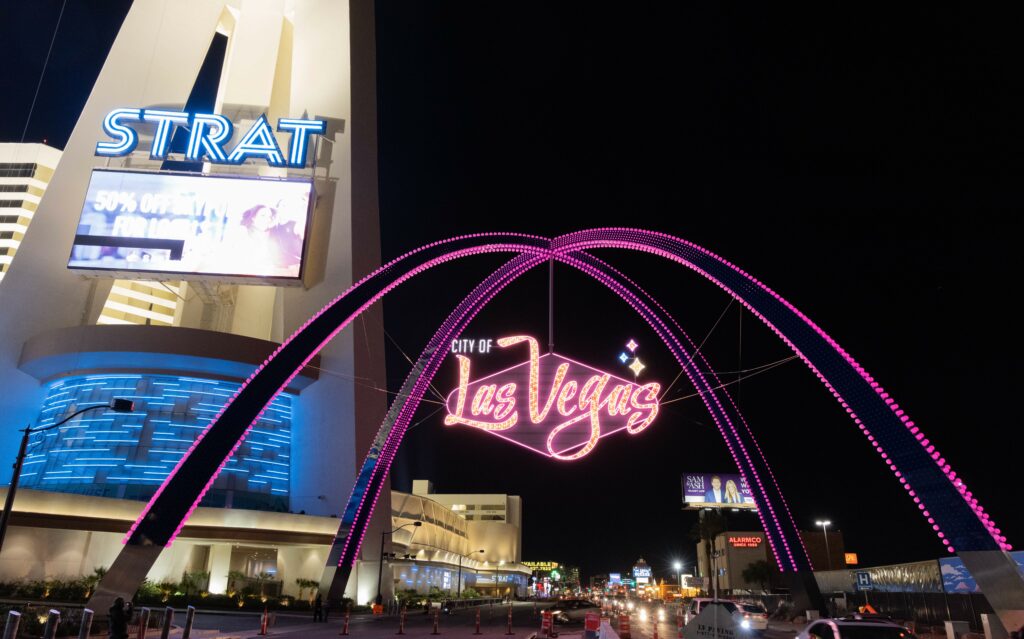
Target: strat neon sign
(551, 404)
(207, 135)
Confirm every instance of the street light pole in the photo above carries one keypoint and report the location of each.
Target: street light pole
(458, 591)
(824, 529)
(380, 567)
(117, 405)
(679, 575)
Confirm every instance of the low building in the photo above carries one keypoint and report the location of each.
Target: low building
(741, 549)
(70, 534)
(25, 172)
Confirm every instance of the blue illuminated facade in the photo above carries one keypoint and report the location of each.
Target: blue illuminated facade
(128, 455)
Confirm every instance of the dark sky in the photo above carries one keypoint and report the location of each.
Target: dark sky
(866, 165)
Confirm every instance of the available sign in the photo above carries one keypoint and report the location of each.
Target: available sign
(551, 404)
(851, 558)
(543, 566)
(746, 541)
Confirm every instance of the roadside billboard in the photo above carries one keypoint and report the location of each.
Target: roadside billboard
(716, 490)
(137, 224)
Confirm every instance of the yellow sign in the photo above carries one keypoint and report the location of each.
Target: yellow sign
(851, 559)
(543, 566)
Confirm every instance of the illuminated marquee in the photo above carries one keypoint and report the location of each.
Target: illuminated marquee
(748, 541)
(551, 404)
(207, 134)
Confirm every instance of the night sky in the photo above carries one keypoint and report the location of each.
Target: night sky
(865, 165)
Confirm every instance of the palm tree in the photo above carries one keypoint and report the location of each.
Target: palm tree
(710, 525)
(312, 584)
(759, 572)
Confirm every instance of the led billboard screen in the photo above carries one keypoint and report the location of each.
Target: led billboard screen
(710, 490)
(199, 225)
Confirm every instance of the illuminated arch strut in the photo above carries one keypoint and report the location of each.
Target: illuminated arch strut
(949, 507)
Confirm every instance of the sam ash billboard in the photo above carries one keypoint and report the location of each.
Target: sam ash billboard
(192, 225)
(713, 490)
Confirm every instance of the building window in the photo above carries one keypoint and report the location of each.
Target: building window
(11, 204)
(129, 455)
(17, 169)
(9, 219)
(7, 235)
(13, 188)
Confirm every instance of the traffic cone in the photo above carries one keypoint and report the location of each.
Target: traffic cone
(263, 621)
(654, 622)
(477, 631)
(401, 622)
(437, 621)
(508, 631)
(344, 627)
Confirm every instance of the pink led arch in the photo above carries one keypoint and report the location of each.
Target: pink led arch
(903, 448)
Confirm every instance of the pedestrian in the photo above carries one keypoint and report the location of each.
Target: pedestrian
(318, 608)
(118, 617)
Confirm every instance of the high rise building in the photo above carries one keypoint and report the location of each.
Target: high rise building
(25, 172)
(185, 290)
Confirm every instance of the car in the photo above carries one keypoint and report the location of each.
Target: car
(697, 604)
(749, 617)
(572, 610)
(753, 616)
(855, 627)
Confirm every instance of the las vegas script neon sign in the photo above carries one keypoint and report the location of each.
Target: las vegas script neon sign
(207, 135)
(551, 404)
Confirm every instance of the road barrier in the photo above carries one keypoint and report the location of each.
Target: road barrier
(13, 621)
(86, 627)
(624, 632)
(143, 623)
(190, 617)
(508, 631)
(165, 629)
(545, 623)
(591, 625)
(52, 621)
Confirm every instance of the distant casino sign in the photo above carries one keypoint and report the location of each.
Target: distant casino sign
(542, 566)
(207, 135)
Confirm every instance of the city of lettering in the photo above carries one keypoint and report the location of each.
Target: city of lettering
(570, 399)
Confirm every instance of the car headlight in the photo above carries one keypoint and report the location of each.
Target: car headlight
(631, 605)
(643, 615)
(661, 615)
(745, 624)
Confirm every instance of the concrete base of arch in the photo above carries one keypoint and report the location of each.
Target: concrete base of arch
(999, 579)
(129, 570)
(804, 592)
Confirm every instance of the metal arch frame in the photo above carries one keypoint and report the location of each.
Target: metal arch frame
(941, 497)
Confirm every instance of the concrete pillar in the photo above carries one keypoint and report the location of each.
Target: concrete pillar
(220, 564)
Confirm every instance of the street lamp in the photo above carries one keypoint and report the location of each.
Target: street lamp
(117, 405)
(679, 574)
(380, 569)
(824, 529)
(458, 591)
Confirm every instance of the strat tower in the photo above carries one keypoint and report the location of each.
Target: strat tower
(187, 231)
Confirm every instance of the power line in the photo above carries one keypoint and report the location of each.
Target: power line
(42, 74)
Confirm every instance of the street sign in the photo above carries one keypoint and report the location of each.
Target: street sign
(863, 581)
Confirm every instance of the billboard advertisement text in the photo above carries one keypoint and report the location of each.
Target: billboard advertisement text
(717, 491)
(192, 225)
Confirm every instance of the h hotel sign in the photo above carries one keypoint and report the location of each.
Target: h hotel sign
(551, 404)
